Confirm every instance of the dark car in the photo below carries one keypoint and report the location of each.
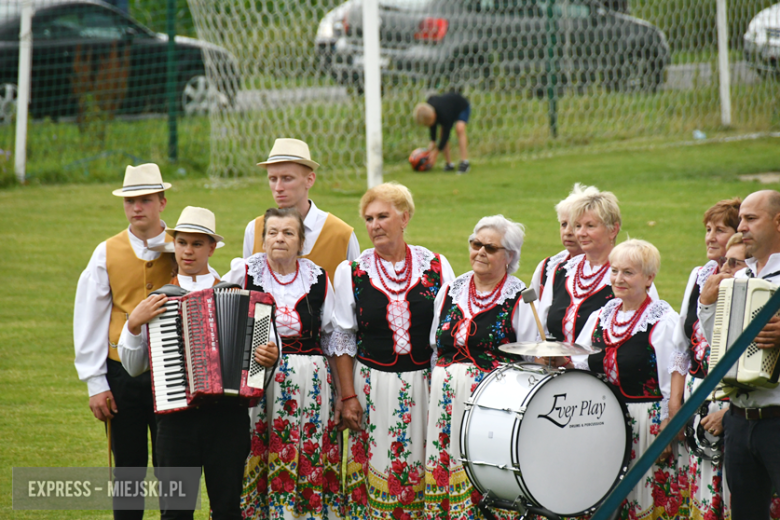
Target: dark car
(460, 41)
(89, 56)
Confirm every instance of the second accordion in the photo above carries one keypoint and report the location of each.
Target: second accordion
(202, 347)
(739, 300)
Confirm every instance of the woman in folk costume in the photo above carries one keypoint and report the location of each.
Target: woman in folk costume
(383, 316)
(581, 284)
(636, 334)
(293, 467)
(547, 268)
(702, 480)
(475, 314)
(214, 435)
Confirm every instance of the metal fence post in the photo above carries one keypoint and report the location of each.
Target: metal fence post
(552, 68)
(23, 94)
(372, 75)
(172, 87)
(723, 64)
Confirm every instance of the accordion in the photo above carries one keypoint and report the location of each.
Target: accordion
(203, 346)
(739, 301)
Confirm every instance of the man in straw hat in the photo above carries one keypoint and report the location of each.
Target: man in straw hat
(123, 271)
(291, 174)
(214, 436)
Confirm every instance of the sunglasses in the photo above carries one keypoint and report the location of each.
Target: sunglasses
(731, 262)
(490, 249)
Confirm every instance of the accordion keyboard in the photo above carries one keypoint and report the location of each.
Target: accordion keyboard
(167, 360)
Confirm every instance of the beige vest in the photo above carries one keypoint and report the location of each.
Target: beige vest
(131, 280)
(329, 250)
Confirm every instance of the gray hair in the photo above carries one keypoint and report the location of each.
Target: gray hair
(512, 236)
(579, 190)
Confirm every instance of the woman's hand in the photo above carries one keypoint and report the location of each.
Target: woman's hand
(668, 449)
(266, 355)
(713, 423)
(351, 415)
(143, 313)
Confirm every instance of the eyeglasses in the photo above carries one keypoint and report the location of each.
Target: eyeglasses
(731, 262)
(490, 249)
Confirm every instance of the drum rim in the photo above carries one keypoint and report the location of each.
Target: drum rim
(626, 453)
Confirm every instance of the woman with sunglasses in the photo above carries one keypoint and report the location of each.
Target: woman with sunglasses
(293, 467)
(704, 479)
(382, 321)
(475, 314)
(581, 285)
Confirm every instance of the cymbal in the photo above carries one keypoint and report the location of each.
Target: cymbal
(547, 349)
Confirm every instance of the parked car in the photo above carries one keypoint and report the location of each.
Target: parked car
(762, 41)
(329, 31)
(88, 54)
(461, 41)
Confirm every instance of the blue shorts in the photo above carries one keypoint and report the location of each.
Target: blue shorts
(464, 116)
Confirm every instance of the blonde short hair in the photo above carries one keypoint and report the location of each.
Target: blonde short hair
(396, 194)
(579, 190)
(639, 252)
(423, 112)
(603, 204)
(734, 240)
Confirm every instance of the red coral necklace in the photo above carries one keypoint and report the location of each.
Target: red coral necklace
(585, 285)
(402, 277)
(614, 338)
(297, 268)
(484, 302)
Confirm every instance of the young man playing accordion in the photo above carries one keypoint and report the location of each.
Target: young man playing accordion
(214, 436)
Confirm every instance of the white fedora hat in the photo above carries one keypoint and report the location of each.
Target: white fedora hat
(290, 150)
(197, 220)
(142, 180)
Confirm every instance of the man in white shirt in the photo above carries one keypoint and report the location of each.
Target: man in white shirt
(752, 425)
(291, 174)
(123, 270)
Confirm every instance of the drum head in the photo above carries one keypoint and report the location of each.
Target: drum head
(573, 442)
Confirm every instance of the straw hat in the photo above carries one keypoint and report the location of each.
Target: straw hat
(290, 150)
(142, 180)
(196, 220)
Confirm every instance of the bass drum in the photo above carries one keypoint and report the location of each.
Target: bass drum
(559, 441)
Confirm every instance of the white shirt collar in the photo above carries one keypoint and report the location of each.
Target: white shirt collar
(137, 243)
(202, 281)
(312, 217)
(772, 265)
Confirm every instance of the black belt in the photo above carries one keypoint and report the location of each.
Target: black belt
(756, 414)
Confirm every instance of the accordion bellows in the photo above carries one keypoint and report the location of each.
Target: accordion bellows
(203, 347)
(739, 301)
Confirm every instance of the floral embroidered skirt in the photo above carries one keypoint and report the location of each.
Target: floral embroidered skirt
(657, 495)
(448, 491)
(701, 481)
(293, 467)
(385, 468)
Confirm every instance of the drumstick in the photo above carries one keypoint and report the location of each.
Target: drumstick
(108, 429)
(529, 296)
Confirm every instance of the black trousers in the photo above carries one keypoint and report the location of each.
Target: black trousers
(215, 437)
(129, 428)
(752, 463)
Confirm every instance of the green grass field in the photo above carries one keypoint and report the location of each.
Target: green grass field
(49, 232)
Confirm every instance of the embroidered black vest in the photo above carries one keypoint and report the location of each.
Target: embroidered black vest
(561, 299)
(637, 366)
(374, 337)
(699, 367)
(489, 329)
(309, 341)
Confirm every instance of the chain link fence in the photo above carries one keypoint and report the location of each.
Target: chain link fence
(542, 76)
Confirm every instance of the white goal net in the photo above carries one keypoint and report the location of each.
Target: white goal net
(542, 76)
